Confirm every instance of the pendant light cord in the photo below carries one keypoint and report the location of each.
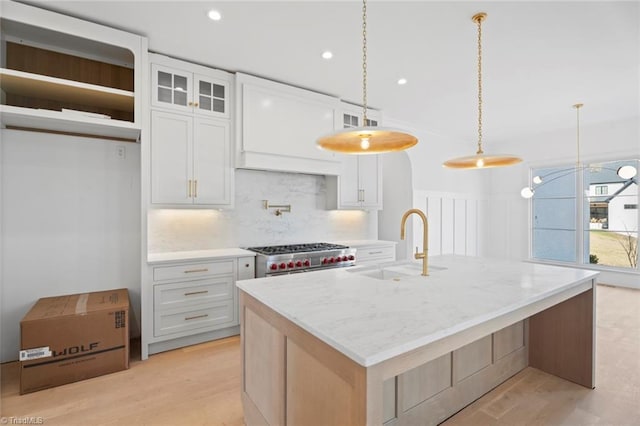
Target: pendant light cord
(479, 21)
(364, 63)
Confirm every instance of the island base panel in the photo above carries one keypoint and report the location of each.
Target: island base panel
(562, 339)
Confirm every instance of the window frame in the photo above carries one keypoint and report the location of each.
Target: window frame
(581, 225)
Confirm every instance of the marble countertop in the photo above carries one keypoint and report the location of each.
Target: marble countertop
(166, 257)
(372, 320)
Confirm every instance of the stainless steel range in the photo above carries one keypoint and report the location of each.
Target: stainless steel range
(293, 258)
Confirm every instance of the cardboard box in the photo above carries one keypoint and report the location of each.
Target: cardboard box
(69, 338)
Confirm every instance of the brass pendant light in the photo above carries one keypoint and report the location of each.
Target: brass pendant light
(366, 139)
(481, 160)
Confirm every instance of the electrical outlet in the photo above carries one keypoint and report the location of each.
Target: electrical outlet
(121, 152)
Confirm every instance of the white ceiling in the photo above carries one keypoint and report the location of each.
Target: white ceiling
(539, 57)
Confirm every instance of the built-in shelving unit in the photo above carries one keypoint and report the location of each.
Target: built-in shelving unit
(62, 74)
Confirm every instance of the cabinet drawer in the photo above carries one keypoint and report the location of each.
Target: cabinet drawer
(189, 271)
(168, 296)
(371, 254)
(210, 316)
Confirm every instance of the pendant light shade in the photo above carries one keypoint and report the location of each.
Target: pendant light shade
(369, 139)
(481, 160)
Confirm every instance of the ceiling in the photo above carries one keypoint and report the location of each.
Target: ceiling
(539, 58)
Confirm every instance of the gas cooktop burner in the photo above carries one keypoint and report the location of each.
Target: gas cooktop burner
(296, 248)
(294, 258)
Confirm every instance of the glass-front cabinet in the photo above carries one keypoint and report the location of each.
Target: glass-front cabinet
(186, 91)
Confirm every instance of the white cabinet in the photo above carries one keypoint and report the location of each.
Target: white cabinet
(93, 89)
(191, 155)
(190, 160)
(181, 90)
(277, 127)
(372, 252)
(193, 301)
(359, 183)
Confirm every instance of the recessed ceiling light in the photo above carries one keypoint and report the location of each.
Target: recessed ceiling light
(327, 55)
(214, 15)
(402, 81)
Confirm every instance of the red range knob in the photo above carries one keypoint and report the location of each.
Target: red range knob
(331, 260)
(299, 263)
(325, 261)
(306, 262)
(352, 257)
(345, 258)
(283, 265)
(291, 264)
(273, 266)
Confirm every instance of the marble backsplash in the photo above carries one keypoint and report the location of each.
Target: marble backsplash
(249, 224)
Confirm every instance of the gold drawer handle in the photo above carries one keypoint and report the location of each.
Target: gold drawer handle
(196, 317)
(196, 292)
(375, 252)
(189, 271)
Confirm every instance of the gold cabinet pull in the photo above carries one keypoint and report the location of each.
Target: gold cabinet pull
(191, 293)
(196, 317)
(190, 103)
(196, 104)
(190, 271)
(189, 189)
(195, 188)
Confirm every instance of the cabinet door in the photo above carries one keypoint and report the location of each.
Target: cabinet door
(171, 141)
(171, 88)
(350, 193)
(211, 162)
(370, 180)
(211, 96)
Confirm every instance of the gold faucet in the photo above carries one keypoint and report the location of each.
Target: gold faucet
(425, 237)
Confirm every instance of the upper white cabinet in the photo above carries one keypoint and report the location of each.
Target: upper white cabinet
(186, 91)
(359, 183)
(191, 153)
(63, 74)
(277, 126)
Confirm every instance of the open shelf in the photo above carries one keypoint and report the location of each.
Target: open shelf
(57, 121)
(42, 86)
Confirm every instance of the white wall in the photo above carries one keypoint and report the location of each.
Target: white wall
(508, 215)
(397, 198)
(434, 188)
(70, 222)
(249, 224)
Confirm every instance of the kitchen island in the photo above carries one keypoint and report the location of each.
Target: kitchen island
(384, 345)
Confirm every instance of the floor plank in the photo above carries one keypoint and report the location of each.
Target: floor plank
(200, 385)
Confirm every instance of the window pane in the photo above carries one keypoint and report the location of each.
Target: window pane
(554, 213)
(611, 232)
(164, 95)
(180, 97)
(205, 88)
(180, 83)
(218, 105)
(554, 245)
(205, 103)
(556, 182)
(218, 91)
(164, 79)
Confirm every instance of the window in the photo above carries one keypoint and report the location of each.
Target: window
(586, 215)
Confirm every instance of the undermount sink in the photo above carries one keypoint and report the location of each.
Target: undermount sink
(393, 270)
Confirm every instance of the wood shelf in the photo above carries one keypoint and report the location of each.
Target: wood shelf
(52, 88)
(57, 121)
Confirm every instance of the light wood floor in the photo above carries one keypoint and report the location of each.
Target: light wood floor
(200, 385)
